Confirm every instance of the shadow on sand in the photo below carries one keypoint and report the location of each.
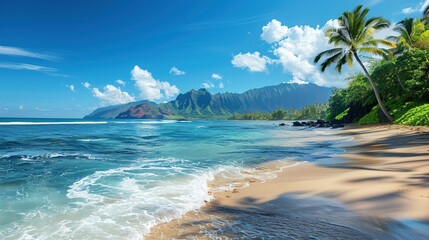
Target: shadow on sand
(292, 217)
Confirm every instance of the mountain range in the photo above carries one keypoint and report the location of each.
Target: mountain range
(201, 104)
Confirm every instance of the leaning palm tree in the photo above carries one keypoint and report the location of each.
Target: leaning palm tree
(353, 35)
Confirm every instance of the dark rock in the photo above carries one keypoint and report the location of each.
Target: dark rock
(297, 124)
(282, 124)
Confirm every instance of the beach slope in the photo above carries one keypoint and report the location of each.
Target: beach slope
(378, 188)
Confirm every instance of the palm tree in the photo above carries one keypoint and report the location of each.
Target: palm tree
(405, 28)
(355, 35)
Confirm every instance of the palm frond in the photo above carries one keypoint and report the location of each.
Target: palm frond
(376, 42)
(330, 60)
(341, 62)
(375, 51)
(350, 59)
(327, 53)
(377, 23)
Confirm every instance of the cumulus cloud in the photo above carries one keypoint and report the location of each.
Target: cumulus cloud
(274, 31)
(295, 48)
(418, 8)
(86, 85)
(151, 88)
(176, 71)
(112, 95)
(120, 82)
(71, 87)
(221, 85)
(253, 62)
(386, 32)
(216, 76)
(207, 85)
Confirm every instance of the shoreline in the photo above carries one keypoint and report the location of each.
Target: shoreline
(381, 178)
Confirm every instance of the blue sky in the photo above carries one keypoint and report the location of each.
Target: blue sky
(64, 58)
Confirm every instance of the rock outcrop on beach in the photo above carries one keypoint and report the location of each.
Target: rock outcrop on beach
(316, 124)
(202, 104)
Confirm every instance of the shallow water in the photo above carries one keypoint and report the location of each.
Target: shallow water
(73, 179)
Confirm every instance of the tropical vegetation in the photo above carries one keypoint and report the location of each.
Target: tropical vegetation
(394, 83)
(313, 111)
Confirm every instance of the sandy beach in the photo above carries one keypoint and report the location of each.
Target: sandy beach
(378, 188)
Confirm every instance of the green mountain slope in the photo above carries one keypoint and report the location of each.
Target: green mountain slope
(201, 104)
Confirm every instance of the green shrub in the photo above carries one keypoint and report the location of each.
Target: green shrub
(340, 116)
(371, 117)
(417, 116)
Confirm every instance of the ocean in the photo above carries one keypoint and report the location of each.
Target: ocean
(78, 179)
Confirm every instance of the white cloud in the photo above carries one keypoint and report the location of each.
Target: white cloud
(297, 81)
(221, 85)
(408, 10)
(296, 49)
(20, 52)
(176, 71)
(424, 5)
(120, 82)
(112, 95)
(418, 8)
(24, 66)
(87, 85)
(386, 32)
(252, 61)
(373, 2)
(216, 76)
(71, 87)
(151, 88)
(274, 31)
(207, 85)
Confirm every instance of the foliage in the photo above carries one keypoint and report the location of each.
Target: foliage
(354, 36)
(413, 33)
(401, 79)
(403, 82)
(336, 104)
(417, 116)
(371, 117)
(313, 111)
(278, 114)
(342, 115)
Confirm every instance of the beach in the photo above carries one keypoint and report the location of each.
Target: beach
(378, 188)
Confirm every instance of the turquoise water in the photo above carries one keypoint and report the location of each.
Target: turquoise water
(75, 179)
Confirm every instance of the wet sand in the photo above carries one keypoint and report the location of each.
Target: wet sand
(378, 189)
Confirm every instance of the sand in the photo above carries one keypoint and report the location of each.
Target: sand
(382, 177)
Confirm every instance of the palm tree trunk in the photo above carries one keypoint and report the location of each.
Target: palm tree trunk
(400, 82)
(377, 95)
